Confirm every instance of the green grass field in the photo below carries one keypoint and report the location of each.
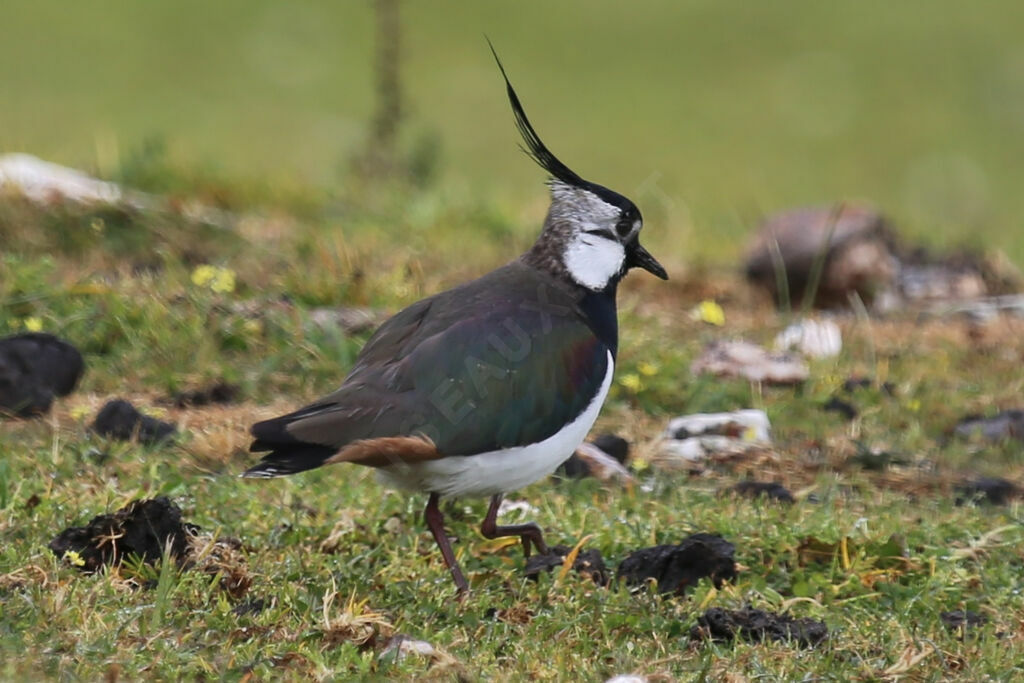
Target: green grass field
(708, 114)
(727, 110)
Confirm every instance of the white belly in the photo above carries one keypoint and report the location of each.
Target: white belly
(487, 474)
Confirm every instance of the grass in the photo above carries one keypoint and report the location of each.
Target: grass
(333, 564)
(707, 114)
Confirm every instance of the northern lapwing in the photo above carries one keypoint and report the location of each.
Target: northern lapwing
(487, 387)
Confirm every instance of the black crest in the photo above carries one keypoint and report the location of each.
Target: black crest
(535, 148)
(539, 152)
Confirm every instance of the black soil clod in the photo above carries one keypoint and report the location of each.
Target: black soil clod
(34, 369)
(962, 620)
(1001, 426)
(219, 393)
(119, 419)
(755, 625)
(838, 405)
(678, 567)
(613, 445)
(767, 489)
(577, 468)
(251, 606)
(573, 468)
(143, 528)
(992, 490)
(588, 563)
(853, 383)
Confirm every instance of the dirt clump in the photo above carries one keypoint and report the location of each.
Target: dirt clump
(1001, 426)
(762, 489)
(35, 368)
(962, 621)
(606, 462)
(588, 563)
(676, 568)
(144, 528)
(756, 625)
(991, 490)
(120, 420)
(844, 408)
(219, 393)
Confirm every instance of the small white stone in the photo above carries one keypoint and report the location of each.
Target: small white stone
(740, 358)
(814, 338)
(692, 438)
(752, 424)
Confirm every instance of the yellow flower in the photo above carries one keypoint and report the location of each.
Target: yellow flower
(831, 381)
(220, 280)
(203, 275)
(73, 558)
(33, 324)
(223, 281)
(710, 312)
(632, 382)
(648, 369)
(80, 412)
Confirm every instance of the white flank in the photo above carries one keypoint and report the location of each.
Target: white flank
(487, 474)
(593, 260)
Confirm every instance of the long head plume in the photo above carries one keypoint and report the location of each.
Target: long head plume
(535, 148)
(591, 232)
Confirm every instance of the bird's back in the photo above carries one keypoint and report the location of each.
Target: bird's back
(499, 362)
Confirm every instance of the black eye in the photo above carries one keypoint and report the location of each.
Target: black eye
(625, 225)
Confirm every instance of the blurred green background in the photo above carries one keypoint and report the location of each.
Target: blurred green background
(709, 114)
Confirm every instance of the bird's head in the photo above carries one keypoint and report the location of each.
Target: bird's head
(591, 234)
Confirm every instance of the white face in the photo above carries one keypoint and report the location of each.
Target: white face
(595, 252)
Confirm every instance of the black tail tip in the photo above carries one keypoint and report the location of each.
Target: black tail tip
(263, 471)
(288, 460)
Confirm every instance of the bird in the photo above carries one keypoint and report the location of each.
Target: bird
(485, 388)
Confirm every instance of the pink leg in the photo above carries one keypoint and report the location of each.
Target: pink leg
(526, 532)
